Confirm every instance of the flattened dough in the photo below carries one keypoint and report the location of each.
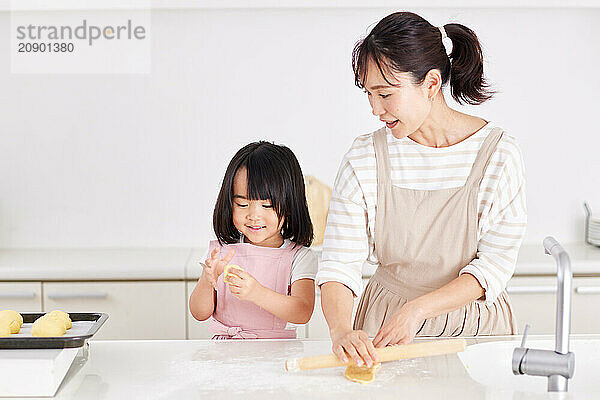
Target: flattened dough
(226, 272)
(361, 374)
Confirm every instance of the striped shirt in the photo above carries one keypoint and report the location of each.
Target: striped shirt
(349, 235)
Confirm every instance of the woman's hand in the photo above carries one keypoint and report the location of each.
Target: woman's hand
(401, 328)
(214, 266)
(243, 285)
(357, 345)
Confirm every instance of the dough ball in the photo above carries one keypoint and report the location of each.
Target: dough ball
(361, 374)
(56, 318)
(13, 319)
(4, 329)
(12, 314)
(48, 327)
(227, 271)
(62, 316)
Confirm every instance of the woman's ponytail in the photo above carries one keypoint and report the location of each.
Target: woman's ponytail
(406, 42)
(467, 83)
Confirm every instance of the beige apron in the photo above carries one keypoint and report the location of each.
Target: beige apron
(423, 238)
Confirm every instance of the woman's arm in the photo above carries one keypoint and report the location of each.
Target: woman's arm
(296, 308)
(453, 295)
(337, 301)
(346, 246)
(403, 326)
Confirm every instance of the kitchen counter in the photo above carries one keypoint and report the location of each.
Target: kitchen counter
(254, 369)
(93, 264)
(182, 263)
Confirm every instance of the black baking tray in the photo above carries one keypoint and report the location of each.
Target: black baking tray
(59, 342)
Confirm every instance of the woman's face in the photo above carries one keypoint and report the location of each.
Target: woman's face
(403, 107)
(255, 219)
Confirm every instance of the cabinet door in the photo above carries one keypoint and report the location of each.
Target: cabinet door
(21, 296)
(199, 329)
(317, 326)
(136, 310)
(586, 302)
(534, 303)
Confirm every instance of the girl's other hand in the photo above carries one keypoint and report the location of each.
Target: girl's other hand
(214, 266)
(243, 285)
(355, 344)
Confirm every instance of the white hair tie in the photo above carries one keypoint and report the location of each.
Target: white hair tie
(443, 32)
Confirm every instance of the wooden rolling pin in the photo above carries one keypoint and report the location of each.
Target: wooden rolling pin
(390, 353)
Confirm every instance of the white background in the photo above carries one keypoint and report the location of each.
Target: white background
(127, 160)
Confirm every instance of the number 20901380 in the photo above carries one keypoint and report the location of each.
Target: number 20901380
(46, 47)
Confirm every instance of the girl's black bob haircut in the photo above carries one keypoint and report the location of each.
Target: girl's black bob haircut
(273, 173)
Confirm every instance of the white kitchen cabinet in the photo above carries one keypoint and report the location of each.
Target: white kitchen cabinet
(317, 326)
(137, 310)
(534, 302)
(21, 296)
(200, 329)
(586, 303)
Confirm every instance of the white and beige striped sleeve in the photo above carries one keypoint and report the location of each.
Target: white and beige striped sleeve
(502, 224)
(346, 242)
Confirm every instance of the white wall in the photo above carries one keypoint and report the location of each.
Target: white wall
(135, 160)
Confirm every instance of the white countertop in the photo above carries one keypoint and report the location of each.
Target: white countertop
(182, 263)
(254, 369)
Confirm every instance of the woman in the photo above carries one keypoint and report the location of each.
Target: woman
(436, 199)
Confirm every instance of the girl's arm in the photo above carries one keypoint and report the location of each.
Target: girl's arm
(296, 308)
(203, 299)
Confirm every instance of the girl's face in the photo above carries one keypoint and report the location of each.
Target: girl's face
(255, 219)
(404, 107)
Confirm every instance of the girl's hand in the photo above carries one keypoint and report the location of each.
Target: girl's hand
(357, 345)
(243, 285)
(214, 266)
(401, 328)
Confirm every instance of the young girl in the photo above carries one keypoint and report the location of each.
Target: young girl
(263, 228)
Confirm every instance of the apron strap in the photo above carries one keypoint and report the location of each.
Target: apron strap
(488, 147)
(218, 328)
(382, 157)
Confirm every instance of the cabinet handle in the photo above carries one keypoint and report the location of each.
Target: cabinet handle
(530, 289)
(61, 296)
(588, 290)
(27, 295)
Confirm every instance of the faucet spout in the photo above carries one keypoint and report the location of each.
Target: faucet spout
(558, 365)
(564, 292)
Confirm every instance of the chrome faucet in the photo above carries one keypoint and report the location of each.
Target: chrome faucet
(558, 365)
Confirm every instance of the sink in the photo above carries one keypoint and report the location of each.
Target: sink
(490, 365)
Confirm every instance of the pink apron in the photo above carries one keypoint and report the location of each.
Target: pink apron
(238, 319)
